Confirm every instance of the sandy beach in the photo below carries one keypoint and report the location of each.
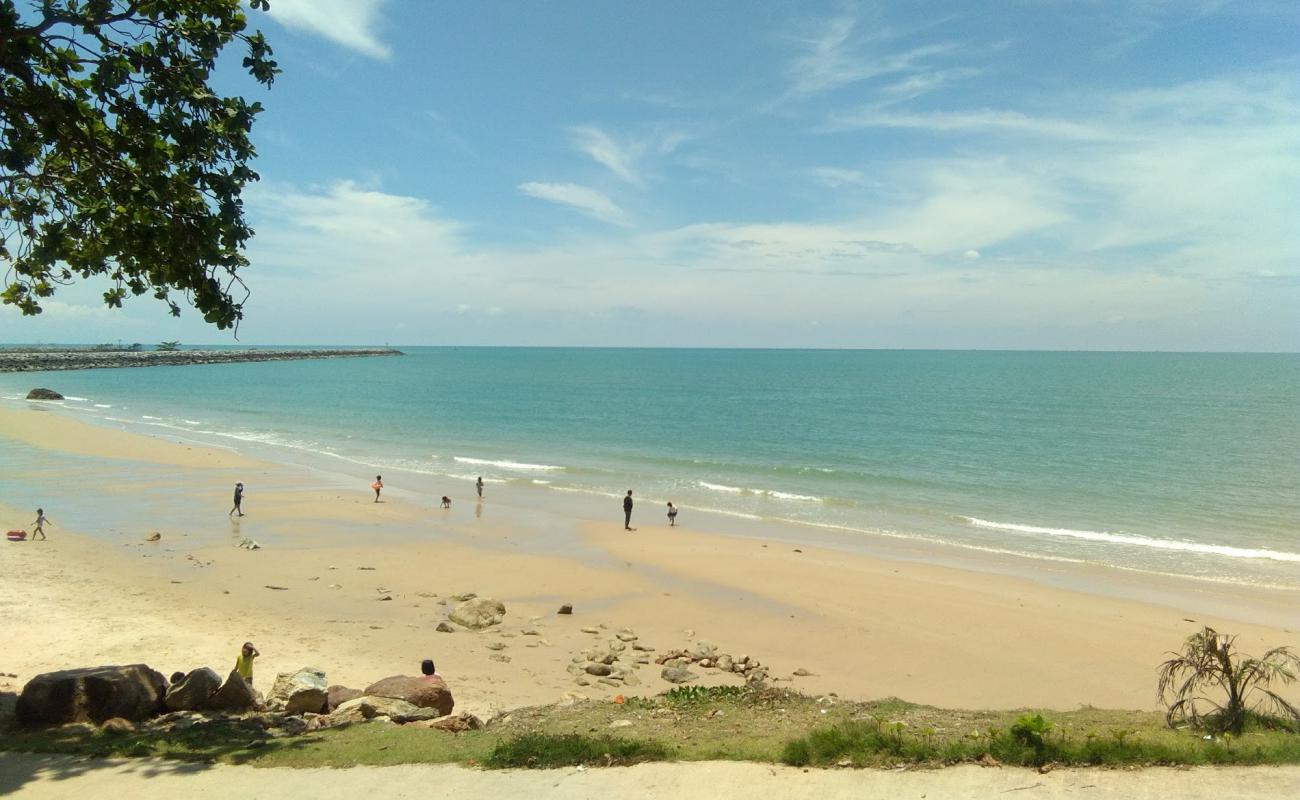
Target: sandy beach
(357, 588)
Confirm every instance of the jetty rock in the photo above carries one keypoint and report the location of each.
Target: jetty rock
(44, 394)
(423, 692)
(94, 694)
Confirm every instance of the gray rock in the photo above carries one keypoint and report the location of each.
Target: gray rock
(567, 608)
(598, 669)
(802, 673)
(193, 691)
(44, 394)
(398, 711)
(97, 694)
(478, 613)
(444, 627)
(299, 692)
(677, 675)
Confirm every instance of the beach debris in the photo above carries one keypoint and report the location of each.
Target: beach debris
(529, 632)
(567, 608)
(595, 631)
(382, 598)
(43, 394)
(299, 692)
(444, 627)
(464, 596)
(797, 550)
(504, 659)
(478, 613)
(153, 537)
(372, 569)
(496, 645)
(277, 588)
(336, 586)
(248, 544)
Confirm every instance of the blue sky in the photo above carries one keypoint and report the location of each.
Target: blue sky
(1026, 174)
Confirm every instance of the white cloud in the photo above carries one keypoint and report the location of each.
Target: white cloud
(351, 23)
(589, 201)
(605, 151)
(973, 255)
(835, 177)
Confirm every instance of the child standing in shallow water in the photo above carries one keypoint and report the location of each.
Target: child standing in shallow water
(40, 524)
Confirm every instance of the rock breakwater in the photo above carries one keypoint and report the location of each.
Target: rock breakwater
(43, 360)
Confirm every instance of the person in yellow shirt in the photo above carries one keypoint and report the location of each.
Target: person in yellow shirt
(244, 663)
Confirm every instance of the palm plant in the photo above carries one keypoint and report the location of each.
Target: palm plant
(1208, 663)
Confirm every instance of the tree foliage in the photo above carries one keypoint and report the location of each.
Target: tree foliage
(117, 159)
(1240, 684)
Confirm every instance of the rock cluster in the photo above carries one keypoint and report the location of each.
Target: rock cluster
(676, 664)
(126, 699)
(613, 663)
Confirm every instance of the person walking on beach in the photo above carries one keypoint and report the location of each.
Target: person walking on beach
(627, 511)
(239, 498)
(478, 487)
(40, 523)
(244, 662)
(378, 486)
(672, 514)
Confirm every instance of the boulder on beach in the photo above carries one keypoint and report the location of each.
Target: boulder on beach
(398, 711)
(299, 692)
(478, 613)
(425, 692)
(44, 394)
(234, 695)
(95, 694)
(193, 691)
(337, 695)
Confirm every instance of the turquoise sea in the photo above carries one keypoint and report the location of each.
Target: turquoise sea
(1182, 464)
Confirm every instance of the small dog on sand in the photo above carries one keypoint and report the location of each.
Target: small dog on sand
(446, 501)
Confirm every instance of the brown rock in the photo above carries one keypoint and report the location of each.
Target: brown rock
(425, 692)
(336, 696)
(193, 691)
(234, 695)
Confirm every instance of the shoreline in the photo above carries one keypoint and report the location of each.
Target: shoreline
(864, 625)
(42, 360)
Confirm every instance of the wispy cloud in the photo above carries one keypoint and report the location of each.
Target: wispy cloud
(351, 23)
(585, 199)
(626, 156)
(973, 121)
(619, 159)
(833, 57)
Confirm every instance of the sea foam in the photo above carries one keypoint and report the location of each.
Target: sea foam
(1138, 541)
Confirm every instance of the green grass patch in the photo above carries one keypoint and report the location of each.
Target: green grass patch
(543, 750)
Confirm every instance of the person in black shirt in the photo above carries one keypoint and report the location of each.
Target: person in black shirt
(627, 511)
(239, 499)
